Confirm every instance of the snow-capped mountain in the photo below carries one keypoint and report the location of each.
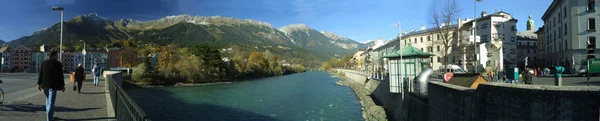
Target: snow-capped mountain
(187, 29)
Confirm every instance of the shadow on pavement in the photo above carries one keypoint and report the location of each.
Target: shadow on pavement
(85, 119)
(161, 105)
(92, 93)
(29, 107)
(592, 83)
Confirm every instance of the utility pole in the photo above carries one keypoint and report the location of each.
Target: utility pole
(475, 34)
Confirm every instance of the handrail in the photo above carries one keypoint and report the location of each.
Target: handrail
(125, 108)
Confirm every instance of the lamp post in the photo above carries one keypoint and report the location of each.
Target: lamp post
(475, 34)
(61, 9)
(83, 52)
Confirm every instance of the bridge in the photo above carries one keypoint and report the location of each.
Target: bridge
(23, 102)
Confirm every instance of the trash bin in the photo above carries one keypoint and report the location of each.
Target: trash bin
(512, 73)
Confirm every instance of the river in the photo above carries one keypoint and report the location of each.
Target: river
(297, 97)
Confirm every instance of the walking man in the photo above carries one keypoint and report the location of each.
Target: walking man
(96, 71)
(79, 77)
(51, 80)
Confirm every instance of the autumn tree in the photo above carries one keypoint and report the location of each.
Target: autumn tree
(443, 18)
(129, 58)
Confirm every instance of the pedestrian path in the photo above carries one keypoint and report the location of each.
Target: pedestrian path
(91, 104)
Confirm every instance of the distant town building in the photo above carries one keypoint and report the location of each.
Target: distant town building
(123, 58)
(358, 59)
(37, 58)
(94, 57)
(5, 51)
(21, 58)
(78, 59)
(527, 46)
(568, 26)
(541, 49)
(67, 61)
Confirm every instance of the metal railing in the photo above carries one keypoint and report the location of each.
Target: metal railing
(125, 108)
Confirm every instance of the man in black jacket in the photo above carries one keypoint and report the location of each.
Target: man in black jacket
(51, 79)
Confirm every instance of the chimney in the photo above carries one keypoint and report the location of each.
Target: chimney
(422, 27)
(483, 13)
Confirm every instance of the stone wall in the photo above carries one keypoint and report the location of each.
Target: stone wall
(498, 101)
(534, 102)
(449, 102)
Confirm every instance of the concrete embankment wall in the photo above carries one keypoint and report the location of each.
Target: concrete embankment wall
(398, 107)
(355, 77)
(497, 101)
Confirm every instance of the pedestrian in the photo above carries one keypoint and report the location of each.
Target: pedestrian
(96, 71)
(491, 75)
(527, 76)
(51, 80)
(79, 77)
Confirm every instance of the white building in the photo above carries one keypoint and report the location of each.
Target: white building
(497, 34)
(568, 26)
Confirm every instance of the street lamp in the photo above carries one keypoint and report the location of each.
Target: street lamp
(61, 9)
(475, 34)
(83, 52)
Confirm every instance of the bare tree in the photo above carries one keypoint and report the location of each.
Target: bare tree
(442, 18)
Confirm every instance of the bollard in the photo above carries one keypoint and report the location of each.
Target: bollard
(558, 75)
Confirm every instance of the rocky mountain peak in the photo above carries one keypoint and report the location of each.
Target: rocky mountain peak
(294, 27)
(334, 36)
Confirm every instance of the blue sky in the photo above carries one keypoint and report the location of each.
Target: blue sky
(357, 19)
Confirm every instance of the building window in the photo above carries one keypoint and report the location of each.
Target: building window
(527, 50)
(549, 24)
(513, 28)
(591, 5)
(559, 31)
(592, 39)
(428, 38)
(566, 45)
(421, 49)
(565, 12)
(565, 27)
(527, 43)
(591, 24)
(559, 16)
(439, 59)
(421, 39)
(519, 43)
(438, 48)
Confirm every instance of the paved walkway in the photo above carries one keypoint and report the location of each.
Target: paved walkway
(90, 105)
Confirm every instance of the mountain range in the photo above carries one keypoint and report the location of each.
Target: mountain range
(186, 29)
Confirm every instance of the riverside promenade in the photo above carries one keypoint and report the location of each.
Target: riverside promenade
(91, 104)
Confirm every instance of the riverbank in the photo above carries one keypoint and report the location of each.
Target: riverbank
(371, 111)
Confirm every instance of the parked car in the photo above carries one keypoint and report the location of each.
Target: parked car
(449, 69)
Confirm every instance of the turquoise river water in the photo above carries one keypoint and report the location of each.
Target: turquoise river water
(311, 96)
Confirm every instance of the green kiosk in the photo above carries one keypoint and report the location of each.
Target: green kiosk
(406, 62)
